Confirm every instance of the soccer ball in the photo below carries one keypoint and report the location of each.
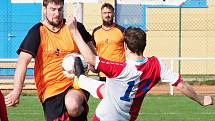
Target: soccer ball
(68, 64)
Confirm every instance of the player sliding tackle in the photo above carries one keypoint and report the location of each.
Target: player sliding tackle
(127, 82)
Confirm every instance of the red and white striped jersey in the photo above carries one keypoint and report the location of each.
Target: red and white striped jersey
(127, 84)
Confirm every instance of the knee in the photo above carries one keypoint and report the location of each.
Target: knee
(74, 109)
(74, 105)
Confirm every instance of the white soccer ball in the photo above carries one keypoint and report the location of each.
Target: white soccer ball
(68, 64)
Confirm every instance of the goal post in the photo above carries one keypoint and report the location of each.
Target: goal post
(78, 7)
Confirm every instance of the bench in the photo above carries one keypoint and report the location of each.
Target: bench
(7, 84)
(6, 81)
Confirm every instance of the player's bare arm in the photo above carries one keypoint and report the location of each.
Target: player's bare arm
(13, 97)
(187, 90)
(87, 53)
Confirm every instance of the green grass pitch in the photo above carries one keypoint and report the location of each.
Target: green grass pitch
(154, 108)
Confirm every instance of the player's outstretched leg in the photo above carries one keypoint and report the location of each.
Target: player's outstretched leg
(79, 70)
(79, 67)
(95, 87)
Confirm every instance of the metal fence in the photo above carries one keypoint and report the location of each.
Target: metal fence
(171, 32)
(176, 32)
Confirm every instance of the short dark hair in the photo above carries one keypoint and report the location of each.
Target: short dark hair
(46, 2)
(108, 5)
(135, 38)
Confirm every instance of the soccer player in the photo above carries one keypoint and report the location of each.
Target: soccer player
(108, 38)
(3, 109)
(48, 42)
(128, 82)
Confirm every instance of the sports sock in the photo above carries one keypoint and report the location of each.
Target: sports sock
(76, 83)
(91, 85)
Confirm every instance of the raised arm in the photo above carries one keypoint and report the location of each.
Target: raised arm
(87, 53)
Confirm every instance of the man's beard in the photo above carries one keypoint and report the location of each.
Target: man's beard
(108, 23)
(55, 24)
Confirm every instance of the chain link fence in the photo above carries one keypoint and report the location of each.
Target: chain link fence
(177, 33)
(171, 32)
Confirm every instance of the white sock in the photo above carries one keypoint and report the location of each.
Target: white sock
(91, 85)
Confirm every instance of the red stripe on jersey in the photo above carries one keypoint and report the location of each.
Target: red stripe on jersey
(99, 92)
(95, 118)
(150, 76)
(109, 68)
(178, 81)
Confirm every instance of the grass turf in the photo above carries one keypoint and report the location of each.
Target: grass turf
(154, 108)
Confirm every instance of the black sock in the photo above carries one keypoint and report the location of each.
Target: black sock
(82, 117)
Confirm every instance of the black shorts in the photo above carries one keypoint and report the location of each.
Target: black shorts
(102, 79)
(55, 109)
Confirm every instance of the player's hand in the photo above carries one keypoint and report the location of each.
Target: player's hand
(207, 100)
(71, 22)
(12, 99)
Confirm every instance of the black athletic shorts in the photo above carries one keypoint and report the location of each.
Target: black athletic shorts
(102, 79)
(55, 108)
